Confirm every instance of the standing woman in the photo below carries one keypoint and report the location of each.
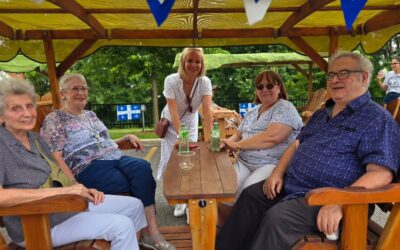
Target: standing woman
(185, 91)
(391, 84)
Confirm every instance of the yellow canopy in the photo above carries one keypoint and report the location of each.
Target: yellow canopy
(24, 24)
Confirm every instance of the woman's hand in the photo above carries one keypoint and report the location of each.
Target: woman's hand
(91, 194)
(98, 197)
(136, 142)
(273, 185)
(229, 143)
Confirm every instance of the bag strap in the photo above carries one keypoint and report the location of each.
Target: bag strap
(190, 98)
(40, 149)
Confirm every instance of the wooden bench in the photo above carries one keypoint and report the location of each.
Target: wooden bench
(313, 104)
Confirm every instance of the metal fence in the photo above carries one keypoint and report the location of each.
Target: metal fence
(108, 112)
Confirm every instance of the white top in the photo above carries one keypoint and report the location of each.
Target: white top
(392, 80)
(282, 112)
(173, 89)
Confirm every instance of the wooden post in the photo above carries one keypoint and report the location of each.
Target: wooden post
(51, 66)
(37, 232)
(333, 41)
(356, 220)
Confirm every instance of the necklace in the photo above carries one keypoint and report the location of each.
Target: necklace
(87, 123)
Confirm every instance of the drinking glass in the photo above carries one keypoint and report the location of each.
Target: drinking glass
(186, 159)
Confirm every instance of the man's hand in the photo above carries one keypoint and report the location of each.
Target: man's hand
(328, 218)
(136, 142)
(273, 185)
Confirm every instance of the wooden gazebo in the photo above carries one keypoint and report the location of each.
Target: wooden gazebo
(63, 31)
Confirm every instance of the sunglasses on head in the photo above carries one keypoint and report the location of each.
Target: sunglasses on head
(268, 86)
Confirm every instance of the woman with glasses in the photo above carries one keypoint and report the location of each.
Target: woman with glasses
(82, 147)
(25, 175)
(391, 84)
(185, 91)
(265, 132)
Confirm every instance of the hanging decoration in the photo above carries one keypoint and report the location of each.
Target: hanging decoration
(160, 9)
(255, 10)
(351, 9)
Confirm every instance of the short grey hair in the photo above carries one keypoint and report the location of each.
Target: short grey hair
(364, 64)
(12, 86)
(67, 77)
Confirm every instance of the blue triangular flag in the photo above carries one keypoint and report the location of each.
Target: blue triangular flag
(351, 9)
(257, 1)
(160, 10)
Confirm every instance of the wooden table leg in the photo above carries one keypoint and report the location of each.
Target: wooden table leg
(203, 223)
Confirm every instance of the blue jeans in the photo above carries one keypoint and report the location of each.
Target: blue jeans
(127, 174)
(390, 97)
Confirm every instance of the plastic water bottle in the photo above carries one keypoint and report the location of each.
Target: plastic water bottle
(215, 138)
(183, 139)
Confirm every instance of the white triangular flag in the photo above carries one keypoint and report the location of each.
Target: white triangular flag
(161, 1)
(255, 10)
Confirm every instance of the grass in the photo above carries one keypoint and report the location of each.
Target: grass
(147, 134)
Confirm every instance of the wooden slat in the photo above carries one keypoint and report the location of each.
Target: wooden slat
(6, 30)
(77, 10)
(227, 173)
(210, 179)
(37, 232)
(74, 56)
(191, 179)
(303, 11)
(382, 20)
(51, 66)
(333, 42)
(310, 52)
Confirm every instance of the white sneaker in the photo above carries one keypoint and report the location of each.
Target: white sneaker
(180, 210)
(187, 216)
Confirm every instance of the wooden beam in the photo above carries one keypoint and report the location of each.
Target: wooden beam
(51, 66)
(77, 10)
(382, 20)
(180, 10)
(179, 34)
(310, 52)
(74, 56)
(305, 10)
(333, 42)
(298, 68)
(195, 20)
(6, 30)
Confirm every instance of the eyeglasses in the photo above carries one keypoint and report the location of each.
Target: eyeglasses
(341, 75)
(394, 63)
(268, 86)
(76, 90)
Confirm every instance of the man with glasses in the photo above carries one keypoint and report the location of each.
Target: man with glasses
(351, 142)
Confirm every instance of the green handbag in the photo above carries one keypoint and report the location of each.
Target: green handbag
(57, 178)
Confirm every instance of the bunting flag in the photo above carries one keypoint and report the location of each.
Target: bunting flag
(160, 9)
(255, 10)
(351, 9)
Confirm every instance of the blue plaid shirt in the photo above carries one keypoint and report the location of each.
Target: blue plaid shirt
(334, 152)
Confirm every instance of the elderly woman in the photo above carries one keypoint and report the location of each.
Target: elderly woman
(265, 132)
(25, 168)
(185, 91)
(81, 146)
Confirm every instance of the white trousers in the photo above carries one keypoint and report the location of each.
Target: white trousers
(248, 175)
(117, 219)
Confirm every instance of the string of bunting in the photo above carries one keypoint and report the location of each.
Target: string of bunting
(256, 10)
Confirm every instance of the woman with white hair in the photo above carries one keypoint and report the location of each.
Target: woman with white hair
(24, 176)
(82, 147)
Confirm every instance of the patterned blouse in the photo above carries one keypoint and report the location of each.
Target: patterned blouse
(82, 139)
(282, 112)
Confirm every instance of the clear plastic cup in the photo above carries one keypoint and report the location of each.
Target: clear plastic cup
(186, 160)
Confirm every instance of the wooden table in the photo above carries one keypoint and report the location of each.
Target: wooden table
(212, 180)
